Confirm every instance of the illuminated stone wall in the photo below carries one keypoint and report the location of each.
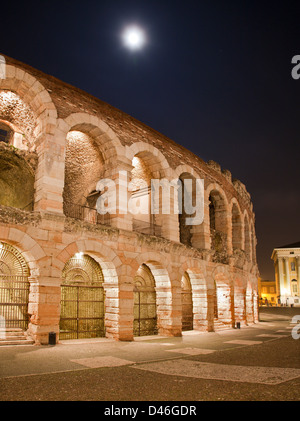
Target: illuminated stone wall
(48, 112)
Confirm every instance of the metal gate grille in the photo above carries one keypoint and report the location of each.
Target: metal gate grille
(14, 288)
(82, 312)
(14, 292)
(145, 320)
(144, 310)
(187, 310)
(82, 299)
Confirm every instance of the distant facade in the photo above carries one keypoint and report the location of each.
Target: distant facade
(68, 270)
(287, 273)
(267, 292)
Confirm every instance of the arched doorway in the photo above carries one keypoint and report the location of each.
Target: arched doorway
(82, 299)
(187, 303)
(14, 288)
(145, 318)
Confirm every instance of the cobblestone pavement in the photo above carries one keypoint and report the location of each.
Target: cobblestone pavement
(259, 363)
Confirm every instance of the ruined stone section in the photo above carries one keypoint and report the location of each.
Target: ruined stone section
(16, 179)
(60, 141)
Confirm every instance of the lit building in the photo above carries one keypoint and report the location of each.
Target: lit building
(287, 273)
(267, 292)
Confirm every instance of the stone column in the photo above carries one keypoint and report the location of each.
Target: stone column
(49, 179)
(281, 279)
(287, 276)
(118, 197)
(44, 310)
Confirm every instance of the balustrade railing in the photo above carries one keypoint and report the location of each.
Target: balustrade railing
(144, 227)
(85, 213)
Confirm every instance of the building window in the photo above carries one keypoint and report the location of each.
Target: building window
(272, 290)
(5, 135)
(292, 266)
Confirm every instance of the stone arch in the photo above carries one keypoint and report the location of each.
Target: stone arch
(163, 222)
(253, 243)
(187, 302)
(144, 220)
(168, 319)
(28, 247)
(92, 153)
(110, 265)
(152, 157)
(187, 197)
(197, 276)
(200, 233)
(218, 218)
(236, 225)
(247, 236)
(82, 312)
(105, 138)
(105, 256)
(38, 264)
(145, 305)
(33, 93)
(15, 287)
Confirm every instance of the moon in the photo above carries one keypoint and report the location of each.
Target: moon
(134, 37)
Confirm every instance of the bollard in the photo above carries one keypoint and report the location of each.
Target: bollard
(52, 338)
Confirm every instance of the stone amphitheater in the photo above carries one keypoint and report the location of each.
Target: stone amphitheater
(69, 272)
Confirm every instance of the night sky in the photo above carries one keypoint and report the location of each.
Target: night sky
(214, 76)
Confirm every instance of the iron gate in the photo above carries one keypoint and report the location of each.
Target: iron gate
(14, 288)
(14, 292)
(82, 312)
(187, 310)
(82, 299)
(145, 320)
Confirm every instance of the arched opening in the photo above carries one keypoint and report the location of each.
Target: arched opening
(187, 198)
(82, 299)
(253, 243)
(18, 123)
(145, 317)
(236, 228)
(218, 223)
(187, 303)
(6, 133)
(144, 220)
(83, 170)
(16, 180)
(14, 288)
(18, 161)
(247, 237)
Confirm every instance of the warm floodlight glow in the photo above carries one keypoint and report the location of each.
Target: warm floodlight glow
(134, 38)
(79, 255)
